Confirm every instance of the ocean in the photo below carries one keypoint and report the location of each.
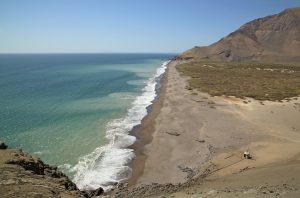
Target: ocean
(75, 111)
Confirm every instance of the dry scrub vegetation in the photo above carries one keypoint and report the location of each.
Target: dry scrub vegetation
(261, 81)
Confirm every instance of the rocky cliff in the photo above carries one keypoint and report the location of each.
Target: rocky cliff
(23, 175)
(271, 38)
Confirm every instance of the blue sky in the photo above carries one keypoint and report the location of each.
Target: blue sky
(105, 26)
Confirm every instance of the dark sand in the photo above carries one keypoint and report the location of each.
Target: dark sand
(144, 132)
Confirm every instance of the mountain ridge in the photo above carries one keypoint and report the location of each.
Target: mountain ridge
(271, 38)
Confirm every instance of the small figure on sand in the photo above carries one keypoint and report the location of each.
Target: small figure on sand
(247, 155)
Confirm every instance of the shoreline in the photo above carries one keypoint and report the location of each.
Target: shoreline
(113, 160)
(144, 131)
(188, 131)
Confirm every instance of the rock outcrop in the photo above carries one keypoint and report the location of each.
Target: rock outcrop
(23, 175)
(271, 38)
(3, 145)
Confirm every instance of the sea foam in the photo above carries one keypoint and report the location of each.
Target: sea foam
(109, 164)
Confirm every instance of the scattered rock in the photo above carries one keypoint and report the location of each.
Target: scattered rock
(190, 172)
(211, 149)
(3, 145)
(28, 163)
(94, 193)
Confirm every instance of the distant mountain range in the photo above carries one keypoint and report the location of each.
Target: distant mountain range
(271, 38)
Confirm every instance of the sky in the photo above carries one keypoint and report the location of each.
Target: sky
(124, 26)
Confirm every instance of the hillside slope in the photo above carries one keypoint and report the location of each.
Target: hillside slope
(271, 38)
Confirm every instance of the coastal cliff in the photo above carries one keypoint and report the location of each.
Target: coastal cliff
(23, 175)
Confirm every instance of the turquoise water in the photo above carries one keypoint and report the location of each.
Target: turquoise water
(65, 108)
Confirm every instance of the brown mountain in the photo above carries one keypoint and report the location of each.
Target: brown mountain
(271, 38)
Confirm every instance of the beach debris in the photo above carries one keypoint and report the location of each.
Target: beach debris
(247, 155)
(200, 140)
(188, 87)
(244, 169)
(173, 133)
(229, 156)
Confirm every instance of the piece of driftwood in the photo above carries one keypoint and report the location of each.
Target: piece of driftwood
(199, 140)
(173, 133)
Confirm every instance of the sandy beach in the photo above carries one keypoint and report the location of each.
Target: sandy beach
(188, 131)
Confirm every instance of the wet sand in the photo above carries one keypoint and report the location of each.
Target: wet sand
(187, 131)
(144, 133)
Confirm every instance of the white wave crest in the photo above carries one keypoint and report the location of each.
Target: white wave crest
(109, 164)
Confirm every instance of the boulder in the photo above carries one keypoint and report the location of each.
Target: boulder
(3, 145)
(94, 193)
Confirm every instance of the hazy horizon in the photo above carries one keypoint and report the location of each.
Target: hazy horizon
(78, 26)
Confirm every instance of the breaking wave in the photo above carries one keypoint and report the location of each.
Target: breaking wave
(109, 164)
